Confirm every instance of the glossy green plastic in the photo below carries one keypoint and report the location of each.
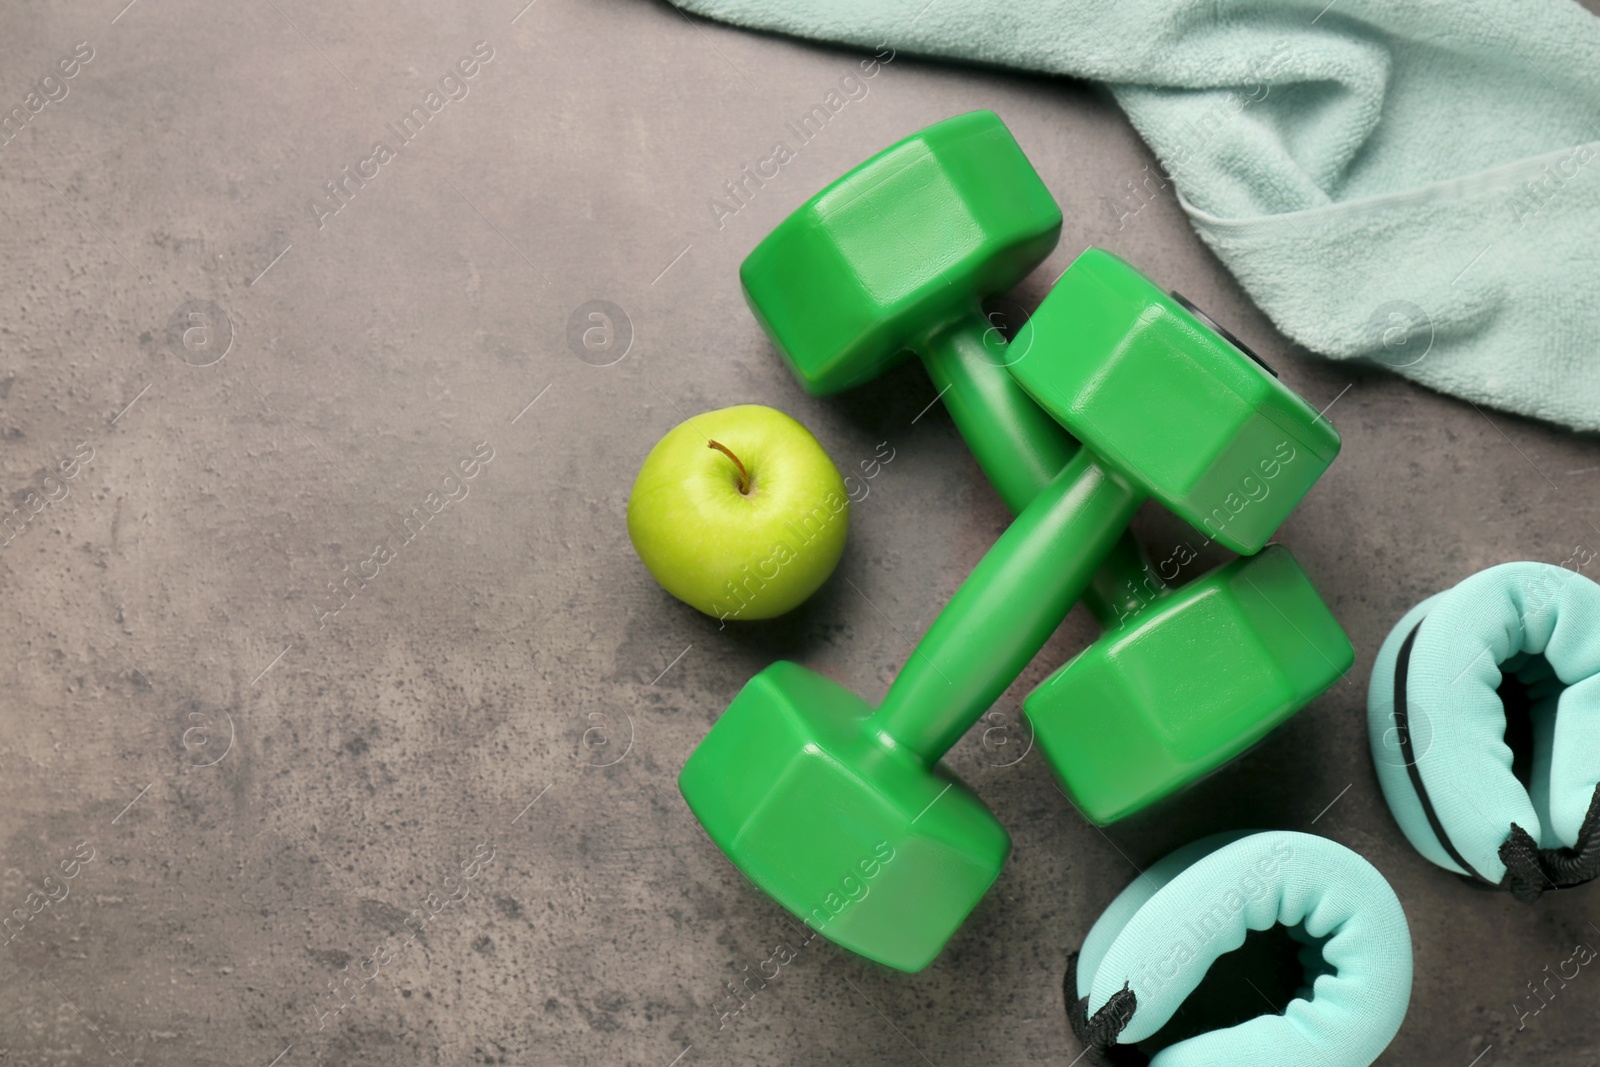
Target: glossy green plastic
(800, 784)
(843, 813)
(900, 251)
(1184, 682)
(1166, 401)
(1193, 680)
(895, 259)
(865, 843)
(799, 781)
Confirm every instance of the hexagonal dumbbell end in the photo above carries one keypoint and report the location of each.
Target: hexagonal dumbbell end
(1195, 679)
(1159, 395)
(898, 249)
(857, 839)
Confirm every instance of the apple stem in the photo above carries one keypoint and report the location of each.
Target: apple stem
(744, 475)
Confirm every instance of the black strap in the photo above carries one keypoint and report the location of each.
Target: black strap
(1530, 870)
(1098, 1033)
(1402, 723)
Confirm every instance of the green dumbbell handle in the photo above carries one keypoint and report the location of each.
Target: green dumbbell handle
(1021, 449)
(1007, 608)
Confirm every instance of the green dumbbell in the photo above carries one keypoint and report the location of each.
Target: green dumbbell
(1199, 676)
(843, 813)
(895, 258)
(1201, 673)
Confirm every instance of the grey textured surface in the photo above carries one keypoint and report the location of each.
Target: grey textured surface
(268, 791)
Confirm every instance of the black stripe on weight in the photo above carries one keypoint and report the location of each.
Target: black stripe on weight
(1402, 721)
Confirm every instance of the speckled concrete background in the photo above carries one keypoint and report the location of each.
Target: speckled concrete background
(252, 395)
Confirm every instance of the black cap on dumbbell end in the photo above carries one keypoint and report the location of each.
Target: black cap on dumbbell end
(1222, 331)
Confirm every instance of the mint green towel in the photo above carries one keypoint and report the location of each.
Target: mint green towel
(1408, 183)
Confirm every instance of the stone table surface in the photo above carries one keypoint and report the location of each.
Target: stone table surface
(258, 786)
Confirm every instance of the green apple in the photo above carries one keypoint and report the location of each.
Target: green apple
(739, 513)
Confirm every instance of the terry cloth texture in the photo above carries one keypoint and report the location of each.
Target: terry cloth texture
(1412, 184)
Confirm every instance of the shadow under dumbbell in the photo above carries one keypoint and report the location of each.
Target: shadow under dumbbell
(884, 407)
(1245, 794)
(794, 635)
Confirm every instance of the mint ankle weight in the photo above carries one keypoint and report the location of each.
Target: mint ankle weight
(1438, 727)
(1149, 950)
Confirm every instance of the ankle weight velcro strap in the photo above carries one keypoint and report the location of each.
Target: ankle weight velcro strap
(1530, 870)
(1153, 945)
(1098, 1033)
(1437, 727)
